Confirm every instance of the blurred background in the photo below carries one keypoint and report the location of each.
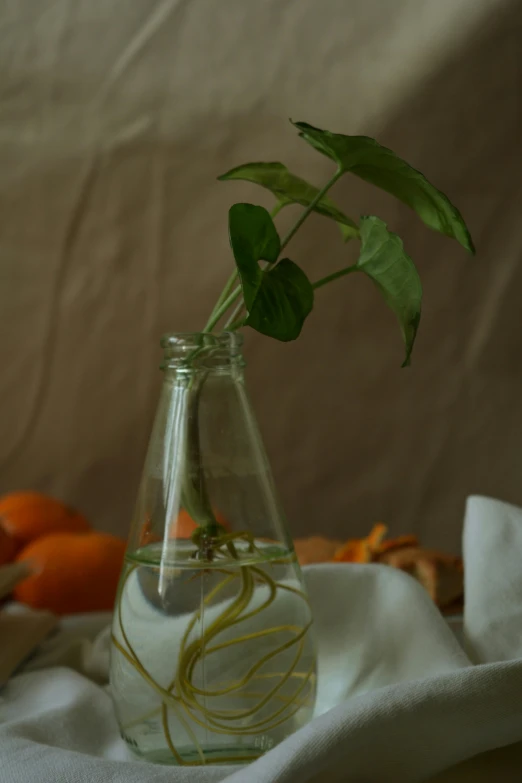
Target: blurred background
(116, 119)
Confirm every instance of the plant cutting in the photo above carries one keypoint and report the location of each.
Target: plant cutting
(213, 654)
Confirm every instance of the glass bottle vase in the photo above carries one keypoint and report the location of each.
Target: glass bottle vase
(213, 658)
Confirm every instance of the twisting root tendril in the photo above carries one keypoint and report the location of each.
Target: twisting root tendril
(190, 703)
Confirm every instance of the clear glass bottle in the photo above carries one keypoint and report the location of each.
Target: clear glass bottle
(213, 658)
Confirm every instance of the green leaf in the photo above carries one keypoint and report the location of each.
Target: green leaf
(283, 300)
(278, 300)
(253, 238)
(367, 159)
(291, 189)
(383, 259)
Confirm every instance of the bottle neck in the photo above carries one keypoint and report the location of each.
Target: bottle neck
(198, 352)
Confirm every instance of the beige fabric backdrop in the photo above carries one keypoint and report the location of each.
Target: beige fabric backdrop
(115, 120)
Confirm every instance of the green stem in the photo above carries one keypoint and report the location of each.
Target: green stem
(201, 511)
(221, 310)
(237, 324)
(222, 297)
(311, 206)
(335, 275)
(229, 326)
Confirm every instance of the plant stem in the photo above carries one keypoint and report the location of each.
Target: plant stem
(335, 275)
(238, 323)
(218, 312)
(229, 325)
(202, 512)
(224, 293)
(311, 206)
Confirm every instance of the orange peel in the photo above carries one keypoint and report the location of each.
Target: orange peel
(362, 550)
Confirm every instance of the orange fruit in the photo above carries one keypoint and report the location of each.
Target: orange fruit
(8, 547)
(147, 536)
(183, 526)
(26, 516)
(74, 572)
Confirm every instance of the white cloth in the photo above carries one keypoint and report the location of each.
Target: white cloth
(399, 698)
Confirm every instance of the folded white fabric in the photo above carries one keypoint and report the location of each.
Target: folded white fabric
(81, 643)
(399, 699)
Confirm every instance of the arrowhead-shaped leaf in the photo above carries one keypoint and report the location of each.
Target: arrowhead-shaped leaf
(367, 159)
(383, 259)
(291, 189)
(277, 300)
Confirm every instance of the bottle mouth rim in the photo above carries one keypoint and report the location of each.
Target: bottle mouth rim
(189, 340)
(193, 350)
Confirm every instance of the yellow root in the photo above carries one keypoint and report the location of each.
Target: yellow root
(188, 702)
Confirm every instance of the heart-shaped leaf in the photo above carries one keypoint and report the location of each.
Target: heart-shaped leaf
(291, 189)
(376, 164)
(278, 300)
(283, 300)
(383, 259)
(253, 237)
